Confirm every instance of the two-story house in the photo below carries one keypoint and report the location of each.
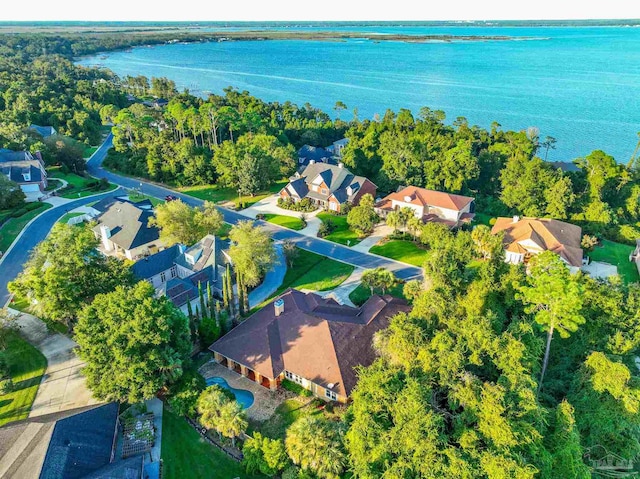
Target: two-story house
(328, 186)
(178, 271)
(312, 341)
(430, 205)
(526, 237)
(124, 231)
(26, 169)
(337, 148)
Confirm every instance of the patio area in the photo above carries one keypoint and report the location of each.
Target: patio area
(265, 401)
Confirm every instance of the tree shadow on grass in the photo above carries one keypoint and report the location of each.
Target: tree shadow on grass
(4, 402)
(27, 383)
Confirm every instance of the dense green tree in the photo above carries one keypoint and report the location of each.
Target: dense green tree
(362, 218)
(251, 251)
(220, 412)
(253, 163)
(132, 342)
(315, 444)
(554, 296)
(264, 455)
(379, 278)
(65, 272)
(11, 195)
(181, 223)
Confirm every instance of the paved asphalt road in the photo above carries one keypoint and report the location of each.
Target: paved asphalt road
(38, 230)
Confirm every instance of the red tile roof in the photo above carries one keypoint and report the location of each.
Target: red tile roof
(424, 197)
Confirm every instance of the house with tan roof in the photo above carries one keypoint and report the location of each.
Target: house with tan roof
(124, 231)
(313, 341)
(430, 205)
(327, 186)
(525, 237)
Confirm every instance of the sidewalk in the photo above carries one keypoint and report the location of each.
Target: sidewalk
(342, 292)
(269, 205)
(62, 386)
(152, 460)
(272, 280)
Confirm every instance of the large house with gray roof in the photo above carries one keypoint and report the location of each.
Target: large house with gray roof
(178, 271)
(43, 131)
(124, 231)
(328, 186)
(26, 169)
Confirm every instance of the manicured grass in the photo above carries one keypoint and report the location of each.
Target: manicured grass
(290, 222)
(27, 365)
(186, 454)
(312, 271)
(401, 250)
(217, 194)
(88, 151)
(135, 197)
(285, 414)
(12, 228)
(360, 295)
(341, 234)
(68, 216)
(324, 276)
(52, 184)
(617, 254)
(78, 183)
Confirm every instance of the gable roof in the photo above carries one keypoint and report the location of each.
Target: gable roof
(104, 204)
(337, 179)
(128, 224)
(423, 197)
(314, 337)
(206, 252)
(44, 131)
(547, 234)
(316, 153)
(147, 268)
(81, 444)
(16, 173)
(7, 155)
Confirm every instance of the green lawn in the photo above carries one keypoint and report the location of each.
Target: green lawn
(617, 254)
(290, 222)
(401, 250)
(77, 184)
(217, 194)
(341, 234)
(12, 228)
(316, 272)
(312, 271)
(68, 216)
(285, 414)
(135, 197)
(186, 454)
(360, 295)
(88, 151)
(27, 366)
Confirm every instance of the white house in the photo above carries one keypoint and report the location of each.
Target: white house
(429, 205)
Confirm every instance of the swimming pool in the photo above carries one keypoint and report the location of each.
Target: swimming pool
(244, 397)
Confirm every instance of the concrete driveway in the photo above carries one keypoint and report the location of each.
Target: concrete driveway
(62, 386)
(269, 205)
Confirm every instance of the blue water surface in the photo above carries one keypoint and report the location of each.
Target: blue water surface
(244, 397)
(580, 85)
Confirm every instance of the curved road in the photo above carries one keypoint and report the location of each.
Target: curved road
(13, 261)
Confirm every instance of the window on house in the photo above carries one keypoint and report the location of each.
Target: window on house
(314, 187)
(163, 277)
(174, 272)
(293, 377)
(330, 394)
(324, 191)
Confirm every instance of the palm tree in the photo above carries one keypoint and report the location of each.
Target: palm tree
(232, 420)
(209, 406)
(314, 444)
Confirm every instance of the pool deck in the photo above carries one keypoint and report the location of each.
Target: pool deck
(265, 401)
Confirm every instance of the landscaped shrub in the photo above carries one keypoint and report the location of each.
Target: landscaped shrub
(6, 386)
(326, 228)
(295, 388)
(304, 205)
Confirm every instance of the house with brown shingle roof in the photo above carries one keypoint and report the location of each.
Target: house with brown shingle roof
(327, 186)
(313, 341)
(430, 205)
(525, 237)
